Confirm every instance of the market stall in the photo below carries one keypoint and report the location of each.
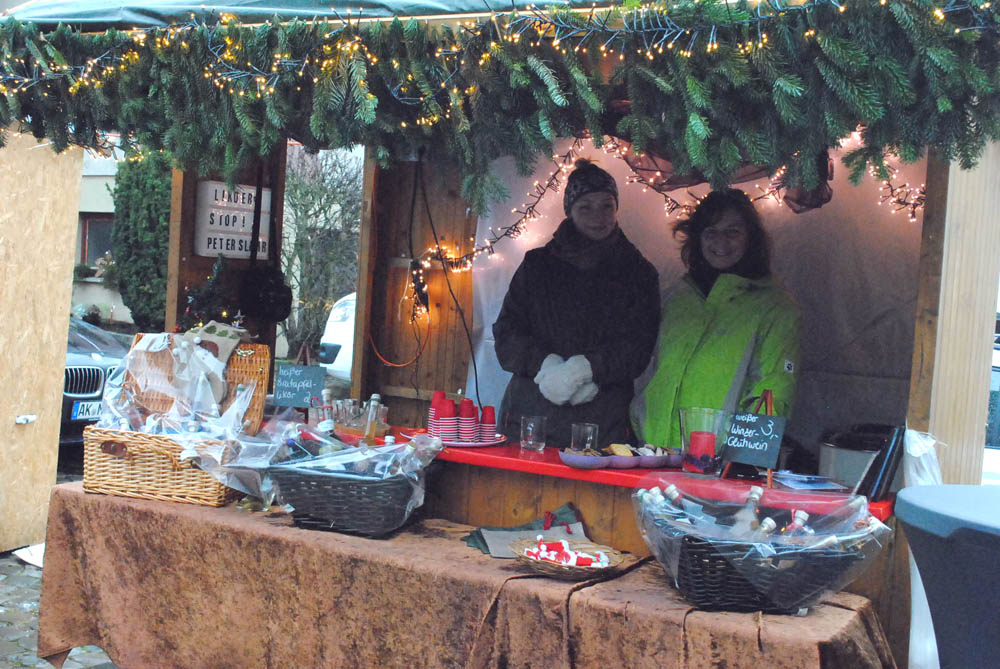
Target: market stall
(231, 114)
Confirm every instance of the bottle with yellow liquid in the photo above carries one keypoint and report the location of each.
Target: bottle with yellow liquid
(371, 422)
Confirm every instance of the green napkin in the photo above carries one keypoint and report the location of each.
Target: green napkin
(566, 513)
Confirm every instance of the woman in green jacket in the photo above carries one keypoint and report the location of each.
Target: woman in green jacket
(728, 331)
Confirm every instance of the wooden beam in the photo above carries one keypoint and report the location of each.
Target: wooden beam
(970, 268)
(174, 249)
(366, 277)
(928, 293)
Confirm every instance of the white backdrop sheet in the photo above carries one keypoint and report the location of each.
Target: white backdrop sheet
(851, 266)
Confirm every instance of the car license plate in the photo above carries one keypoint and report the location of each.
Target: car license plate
(86, 410)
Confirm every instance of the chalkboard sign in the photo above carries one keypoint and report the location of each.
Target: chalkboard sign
(295, 385)
(754, 439)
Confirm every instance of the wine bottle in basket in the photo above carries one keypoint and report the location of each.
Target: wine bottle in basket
(872, 528)
(763, 530)
(846, 518)
(797, 532)
(745, 520)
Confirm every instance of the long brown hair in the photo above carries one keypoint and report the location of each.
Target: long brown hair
(756, 261)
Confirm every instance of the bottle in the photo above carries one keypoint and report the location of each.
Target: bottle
(371, 423)
(692, 511)
(873, 527)
(846, 518)
(763, 530)
(745, 520)
(796, 532)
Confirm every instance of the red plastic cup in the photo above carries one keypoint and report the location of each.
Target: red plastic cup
(437, 398)
(489, 415)
(446, 409)
(467, 409)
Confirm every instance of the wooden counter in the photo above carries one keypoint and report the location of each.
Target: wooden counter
(504, 486)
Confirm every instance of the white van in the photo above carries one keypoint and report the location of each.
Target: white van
(336, 349)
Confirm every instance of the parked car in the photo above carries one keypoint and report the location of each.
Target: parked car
(336, 348)
(91, 354)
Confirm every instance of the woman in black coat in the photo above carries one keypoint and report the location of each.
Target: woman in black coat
(579, 320)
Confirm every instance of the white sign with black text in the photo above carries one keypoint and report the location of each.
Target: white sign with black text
(223, 220)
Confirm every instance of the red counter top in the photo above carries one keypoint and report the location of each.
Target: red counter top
(547, 463)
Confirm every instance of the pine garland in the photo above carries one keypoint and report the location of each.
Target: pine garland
(713, 85)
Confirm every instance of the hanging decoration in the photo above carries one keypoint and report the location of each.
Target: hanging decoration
(714, 85)
(900, 197)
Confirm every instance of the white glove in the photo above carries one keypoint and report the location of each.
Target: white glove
(585, 393)
(552, 360)
(560, 382)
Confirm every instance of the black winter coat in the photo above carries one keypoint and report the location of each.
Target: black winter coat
(610, 314)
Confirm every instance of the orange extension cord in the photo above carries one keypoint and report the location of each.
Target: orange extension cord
(423, 344)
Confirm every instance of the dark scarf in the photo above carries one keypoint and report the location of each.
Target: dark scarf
(569, 245)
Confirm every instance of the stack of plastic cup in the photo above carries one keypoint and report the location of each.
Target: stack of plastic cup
(447, 421)
(488, 425)
(432, 424)
(468, 422)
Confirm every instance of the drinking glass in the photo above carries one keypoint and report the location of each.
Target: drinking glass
(532, 433)
(583, 436)
(703, 434)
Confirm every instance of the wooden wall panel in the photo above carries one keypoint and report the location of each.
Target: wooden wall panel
(388, 235)
(495, 497)
(38, 230)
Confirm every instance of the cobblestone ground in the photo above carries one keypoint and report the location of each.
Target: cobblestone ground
(20, 588)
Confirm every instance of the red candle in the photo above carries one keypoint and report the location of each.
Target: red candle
(699, 444)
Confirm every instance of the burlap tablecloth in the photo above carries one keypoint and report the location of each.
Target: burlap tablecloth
(159, 584)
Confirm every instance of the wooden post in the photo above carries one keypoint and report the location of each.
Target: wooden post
(949, 381)
(963, 344)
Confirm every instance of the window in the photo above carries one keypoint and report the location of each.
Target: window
(95, 237)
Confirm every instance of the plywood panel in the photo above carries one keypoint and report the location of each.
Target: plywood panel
(38, 230)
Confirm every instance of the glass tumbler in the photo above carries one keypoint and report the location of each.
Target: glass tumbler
(583, 436)
(532, 433)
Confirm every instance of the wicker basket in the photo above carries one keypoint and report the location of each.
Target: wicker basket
(337, 503)
(720, 575)
(135, 464)
(148, 466)
(568, 572)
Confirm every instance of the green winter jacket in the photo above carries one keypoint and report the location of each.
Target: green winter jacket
(719, 352)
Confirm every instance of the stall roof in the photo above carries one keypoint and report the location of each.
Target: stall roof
(101, 14)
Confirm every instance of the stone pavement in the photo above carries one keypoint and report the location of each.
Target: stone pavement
(20, 589)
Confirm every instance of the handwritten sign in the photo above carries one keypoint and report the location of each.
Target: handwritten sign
(754, 439)
(223, 220)
(295, 385)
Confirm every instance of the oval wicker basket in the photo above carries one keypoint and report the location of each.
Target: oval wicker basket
(568, 572)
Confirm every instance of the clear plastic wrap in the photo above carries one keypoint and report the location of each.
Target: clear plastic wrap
(172, 387)
(730, 546)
